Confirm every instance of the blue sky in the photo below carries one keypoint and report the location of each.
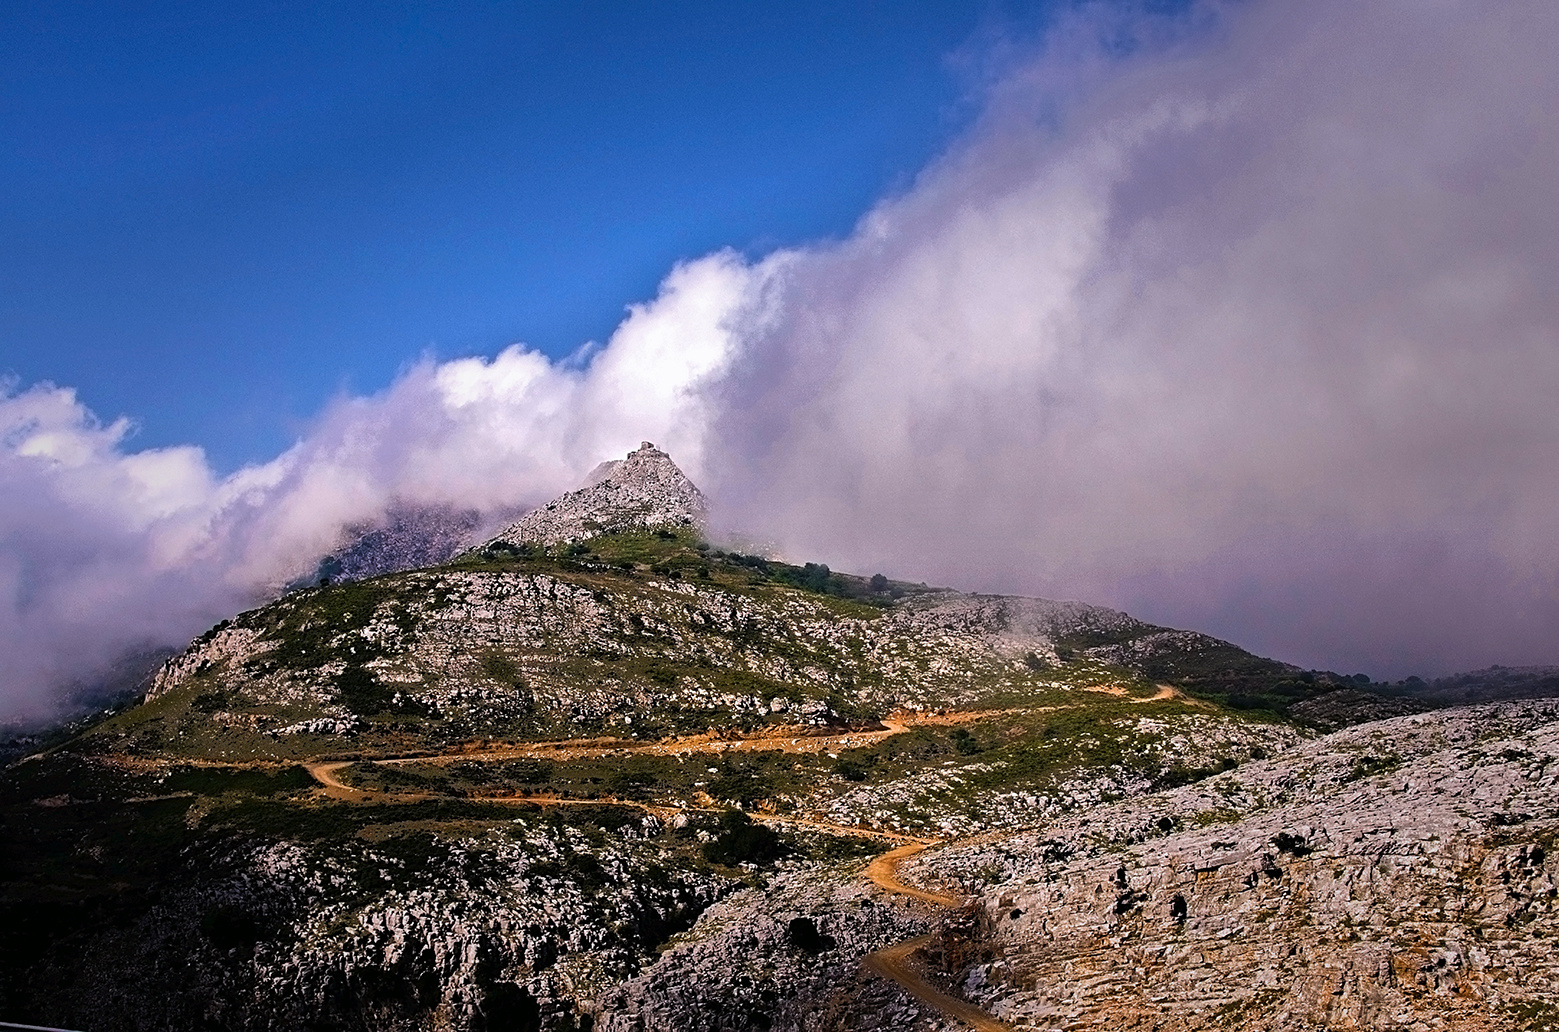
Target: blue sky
(217, 216)
(1236, 315)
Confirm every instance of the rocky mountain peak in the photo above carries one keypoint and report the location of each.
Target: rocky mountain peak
(643, 490)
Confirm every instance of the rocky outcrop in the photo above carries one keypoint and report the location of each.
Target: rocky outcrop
(783, 957)
(646, 490)
(1398, 875)
(405, 538)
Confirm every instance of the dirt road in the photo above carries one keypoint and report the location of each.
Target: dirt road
(884, 873)
(324, 772)
(332, 787)
(791, 739)
(899, 963)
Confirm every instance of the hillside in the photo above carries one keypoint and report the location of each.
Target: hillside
(1398, 875)
(611, 776)
(639, 635)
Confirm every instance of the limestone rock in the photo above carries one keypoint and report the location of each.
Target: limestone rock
(1394, 875)
(646, 490)
(404, 538)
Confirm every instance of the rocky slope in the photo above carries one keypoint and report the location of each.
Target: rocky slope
(644, 490)
(521, 924)
(407, 537)
(1399, 875)
(786, 956)
(599, 774)
(644, 635)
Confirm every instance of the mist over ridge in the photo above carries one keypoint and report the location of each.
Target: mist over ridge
(1247, 326)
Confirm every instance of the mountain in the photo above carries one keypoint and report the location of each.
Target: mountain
(599, 773)
(643, 491)
(407, 537)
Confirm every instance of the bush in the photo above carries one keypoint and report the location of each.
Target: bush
(363, 694)
(964, 742)
(850, 769)
(804, 935)
(740, 841)
(501, 668)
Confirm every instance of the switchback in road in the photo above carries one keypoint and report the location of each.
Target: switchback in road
(899, 963)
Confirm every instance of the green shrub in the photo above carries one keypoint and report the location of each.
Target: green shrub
(741, 841)
(850, 769)
(501, 668)
(964, 742)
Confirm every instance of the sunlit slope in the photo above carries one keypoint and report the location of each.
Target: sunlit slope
(635, 635)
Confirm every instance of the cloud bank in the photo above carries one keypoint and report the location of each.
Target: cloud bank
(1247, 321)
(106, 551)
(1243, 320)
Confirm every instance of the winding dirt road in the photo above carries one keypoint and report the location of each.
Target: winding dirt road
(332, 787)
(790, 739)
(899, 963)
(883, 872)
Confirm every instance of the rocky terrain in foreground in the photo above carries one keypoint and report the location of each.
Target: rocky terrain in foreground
(497, 929)
(1398, 875)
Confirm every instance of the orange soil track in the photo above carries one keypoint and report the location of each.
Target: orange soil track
(792, 739)
(898, 963)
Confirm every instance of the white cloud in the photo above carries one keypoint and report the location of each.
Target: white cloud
(104, 550)
(1251, 329)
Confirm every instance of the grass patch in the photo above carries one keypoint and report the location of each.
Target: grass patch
(1533, 1015)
